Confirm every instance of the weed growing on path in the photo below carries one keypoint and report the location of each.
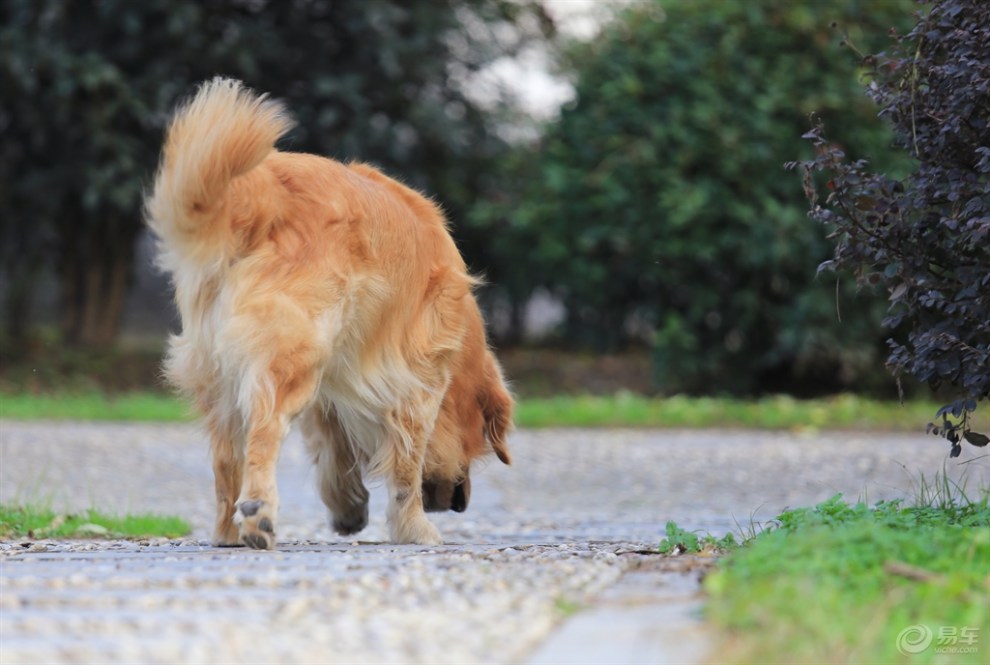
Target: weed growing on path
(679, 541)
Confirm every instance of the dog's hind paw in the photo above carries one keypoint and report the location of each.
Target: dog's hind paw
(255, 522)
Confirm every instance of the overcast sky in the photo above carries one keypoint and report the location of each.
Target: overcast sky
(538, 92)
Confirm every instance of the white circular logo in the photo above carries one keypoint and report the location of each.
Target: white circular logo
(914, 639)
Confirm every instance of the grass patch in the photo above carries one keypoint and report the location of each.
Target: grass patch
(622, 410)
(843, 583)
(774, 413)
(134, 406)
(17, 521)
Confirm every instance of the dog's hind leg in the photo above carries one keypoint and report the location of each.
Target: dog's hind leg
(227, 447)
(268, 423)
(338, 469)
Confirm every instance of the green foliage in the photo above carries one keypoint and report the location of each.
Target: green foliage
(659, 198)
(31, 521)
(845, 580)
(679, 541)
(86, 86)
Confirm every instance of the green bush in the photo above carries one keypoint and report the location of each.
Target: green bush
(659, 202)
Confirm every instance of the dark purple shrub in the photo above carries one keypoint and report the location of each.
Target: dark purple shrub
(925, 237)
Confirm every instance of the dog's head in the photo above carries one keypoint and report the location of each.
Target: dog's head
(474, 420)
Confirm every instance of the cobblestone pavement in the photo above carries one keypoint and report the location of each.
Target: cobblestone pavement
(546, 566)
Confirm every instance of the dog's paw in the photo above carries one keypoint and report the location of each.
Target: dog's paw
(416, 531)
(350, 522)
(255, 522)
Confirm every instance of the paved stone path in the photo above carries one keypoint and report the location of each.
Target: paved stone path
(545, 567)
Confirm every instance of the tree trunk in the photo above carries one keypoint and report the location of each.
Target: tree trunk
(114, 296)
(517, 322)
(20, 289)
(92, 294)
(20, 273)
(94, 287)
(69, 297)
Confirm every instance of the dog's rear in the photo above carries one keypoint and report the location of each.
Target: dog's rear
(309, 287)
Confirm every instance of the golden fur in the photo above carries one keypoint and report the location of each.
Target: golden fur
(323, 291)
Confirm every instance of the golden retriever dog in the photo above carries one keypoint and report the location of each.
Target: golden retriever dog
(326, 293)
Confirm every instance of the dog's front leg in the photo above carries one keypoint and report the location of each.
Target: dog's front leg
(407, 520)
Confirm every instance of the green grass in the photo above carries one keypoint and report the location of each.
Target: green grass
(622, 410)
(20, 521)
(778, 413)
(133, 406)
(840, 583)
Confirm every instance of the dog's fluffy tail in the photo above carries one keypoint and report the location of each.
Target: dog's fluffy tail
(224, 131)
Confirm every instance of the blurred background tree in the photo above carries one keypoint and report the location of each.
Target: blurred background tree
(86, 86)
(655, 209)
(658, 209)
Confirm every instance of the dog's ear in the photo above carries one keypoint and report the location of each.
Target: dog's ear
(496, 405)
